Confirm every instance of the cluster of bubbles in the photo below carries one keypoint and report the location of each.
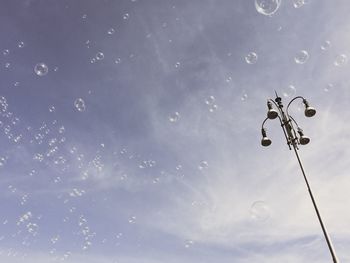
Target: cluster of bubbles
(210, 101)
(86, 232)
(267, 7)
(147, 164)
(99, 56)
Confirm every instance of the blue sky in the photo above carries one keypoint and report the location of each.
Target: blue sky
(138, 140)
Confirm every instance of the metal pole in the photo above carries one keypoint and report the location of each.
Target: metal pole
(329, 243)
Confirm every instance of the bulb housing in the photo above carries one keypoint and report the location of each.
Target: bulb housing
(265, 141)
(303, 140)
(309, 111)
(271, 113)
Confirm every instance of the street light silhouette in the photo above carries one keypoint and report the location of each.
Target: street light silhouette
(294, 138)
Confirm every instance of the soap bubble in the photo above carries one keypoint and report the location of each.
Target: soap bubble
(99, 56)
(174, 117)
(79, 104)
(52, 109)
(188, 243)
(41, 69)
(251, 58)
(301, 57)
(111, 31)
(20, 44)
(341, 60)
(326, 45)
(267, 7)
(329, 87)
(289, 91)
(259, 211)
(210, 100)
(203, 165)
(298, 3)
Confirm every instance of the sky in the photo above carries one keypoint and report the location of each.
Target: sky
(130, 130)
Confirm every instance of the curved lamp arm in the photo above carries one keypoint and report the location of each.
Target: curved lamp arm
(298, 97)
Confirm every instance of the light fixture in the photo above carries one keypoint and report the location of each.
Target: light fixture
(309, 111)
(271, 113)
(303, 139)
(265, 141)
(292, 137)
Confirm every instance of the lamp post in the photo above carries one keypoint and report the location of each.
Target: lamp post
(294, 138)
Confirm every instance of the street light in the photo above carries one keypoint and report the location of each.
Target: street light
(294, 138)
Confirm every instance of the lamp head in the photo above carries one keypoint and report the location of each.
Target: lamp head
(303, 139)
(309, 111)
(271, 113)
(265, 141)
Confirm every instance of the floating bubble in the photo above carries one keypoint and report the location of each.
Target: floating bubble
(41, 69)
(251, 58)
(260, 211)
(111, 31)
(188, 243)
(117, 61)
(93, 60)
(301, 57)
(329, 87)
(174, 117)
(20, 44)
(84, 16)
(7, 65)
(99, 56)
(5, 52)
(244, 96)
(52, 109)
(267, 7)
(210, 100)
(177, 64)
(203, 165)
(79, 104)
(325, 45)
(298, 3)
(132, 220)
(213, 108)
(3, 104)
(16, 84)
(228, 79)
(126, 16)
(340, 60)
(289, 91)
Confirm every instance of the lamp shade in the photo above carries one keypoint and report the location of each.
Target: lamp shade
(265, 141)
